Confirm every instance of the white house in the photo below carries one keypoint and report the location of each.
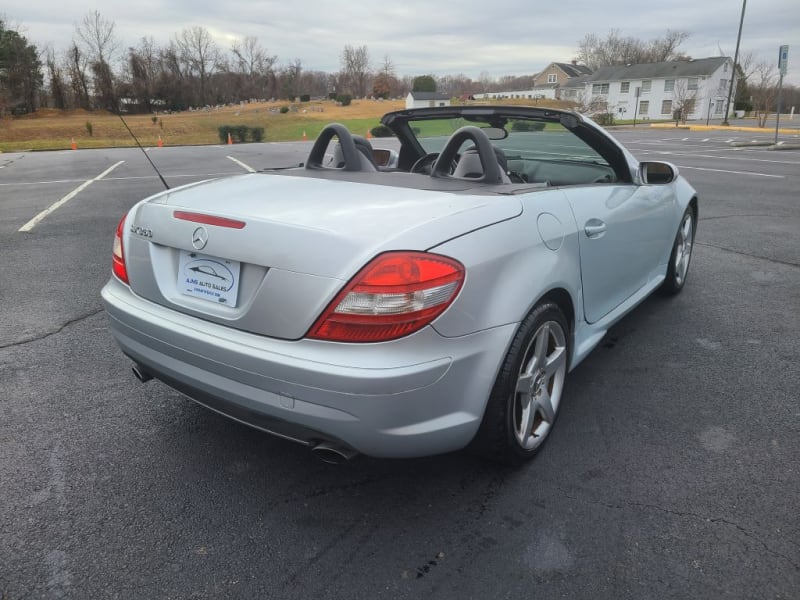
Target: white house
(426, 99)
(535, 93)
(698, 87)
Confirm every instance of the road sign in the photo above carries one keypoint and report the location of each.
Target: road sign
(783, 59)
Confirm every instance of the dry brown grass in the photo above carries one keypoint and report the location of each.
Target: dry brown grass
(50, 129)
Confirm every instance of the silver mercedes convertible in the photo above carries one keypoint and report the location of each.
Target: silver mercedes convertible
(407, 300)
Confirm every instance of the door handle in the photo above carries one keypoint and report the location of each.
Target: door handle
(594, 228)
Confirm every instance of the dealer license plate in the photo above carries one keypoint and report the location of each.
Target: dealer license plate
(208, 277)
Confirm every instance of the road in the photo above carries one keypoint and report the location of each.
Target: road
(672, 472)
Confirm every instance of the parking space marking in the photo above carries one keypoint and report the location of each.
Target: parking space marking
(247, 168)
(734, 172)
(35, 220)
(737, 150)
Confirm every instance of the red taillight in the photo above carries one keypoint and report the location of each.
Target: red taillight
(396, 294)
(118, 258)
(208, 219)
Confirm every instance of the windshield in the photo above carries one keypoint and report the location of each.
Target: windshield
(526, 139)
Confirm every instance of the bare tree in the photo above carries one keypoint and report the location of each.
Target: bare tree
(684, 100)
(355, 68)
(385, 84)
(291, 79)
(99, 45)
(590, 104)
(143, 71)
(666, 48)
(253, 62)
(77, 65)
(200, 53)
(486, 81)
(58, 84)
(764, 89)
(614, 49)
(97, 35)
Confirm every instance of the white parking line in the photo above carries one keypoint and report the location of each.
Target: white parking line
(735, 172)
(247, 168)
(35, 220)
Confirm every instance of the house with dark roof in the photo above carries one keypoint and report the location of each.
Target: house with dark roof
(545, 83)
(694, 89)
(557, 73)
(426, 99)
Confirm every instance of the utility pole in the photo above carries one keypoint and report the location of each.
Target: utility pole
(735, 63)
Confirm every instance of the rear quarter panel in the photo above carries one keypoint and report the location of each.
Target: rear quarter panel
(512, 264)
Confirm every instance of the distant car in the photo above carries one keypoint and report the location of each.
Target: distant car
(402, 302)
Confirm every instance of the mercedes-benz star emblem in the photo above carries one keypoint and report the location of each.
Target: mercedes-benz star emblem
(199, 238)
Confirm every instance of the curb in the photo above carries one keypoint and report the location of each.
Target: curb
(725, 128)
(782, 146)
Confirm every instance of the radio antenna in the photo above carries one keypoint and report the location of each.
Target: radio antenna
(146, 155)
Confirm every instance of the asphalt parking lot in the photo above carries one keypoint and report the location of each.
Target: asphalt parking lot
(672, 472)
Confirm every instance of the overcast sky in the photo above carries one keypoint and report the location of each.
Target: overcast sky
(503, 37)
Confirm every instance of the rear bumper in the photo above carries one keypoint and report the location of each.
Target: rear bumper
(420, 395)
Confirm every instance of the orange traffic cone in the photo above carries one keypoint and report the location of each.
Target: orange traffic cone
(230, 141)
(369, 134)
(73, 145)
(160, 142)
(305, 137)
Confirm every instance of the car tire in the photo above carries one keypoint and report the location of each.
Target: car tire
(681, 255)
(524, 401)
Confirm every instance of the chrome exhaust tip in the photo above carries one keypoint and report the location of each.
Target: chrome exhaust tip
(333, 454)
(141, 374)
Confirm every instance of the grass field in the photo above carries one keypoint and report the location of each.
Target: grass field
(50, 129)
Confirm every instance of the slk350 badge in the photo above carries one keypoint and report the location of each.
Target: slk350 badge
(142, 231)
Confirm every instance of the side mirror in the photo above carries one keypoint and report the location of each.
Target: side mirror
(657, 173)
(385, 158)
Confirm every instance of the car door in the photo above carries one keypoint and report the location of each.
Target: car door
(621, 232)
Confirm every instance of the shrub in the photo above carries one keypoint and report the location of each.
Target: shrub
(344, 99)
(257, 134)
(305, 97)
(89, 128)
(527, 126)
(284, 110)
(240, 133)
(606, 118)
(332, 96)
(381, 131)
(154, 119)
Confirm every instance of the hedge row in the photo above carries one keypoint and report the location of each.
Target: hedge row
(240, 133)
(527, 126)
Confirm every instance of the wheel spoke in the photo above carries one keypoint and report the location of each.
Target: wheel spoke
(540, 351)
(524, 384)
(526, 424)
(544, 405)
(555, 361)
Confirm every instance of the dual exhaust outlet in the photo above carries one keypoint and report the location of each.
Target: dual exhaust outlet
(327, 451)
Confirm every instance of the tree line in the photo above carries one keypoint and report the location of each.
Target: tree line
(192, 70)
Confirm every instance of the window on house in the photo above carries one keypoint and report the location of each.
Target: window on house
(718, 108)
(688, 108)
(644, 107)
(624, 87)
(692, 83)
(723, 86)
(600, 88)
(666, 107)
(551, 78)
(669, 85)
(646, 84)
